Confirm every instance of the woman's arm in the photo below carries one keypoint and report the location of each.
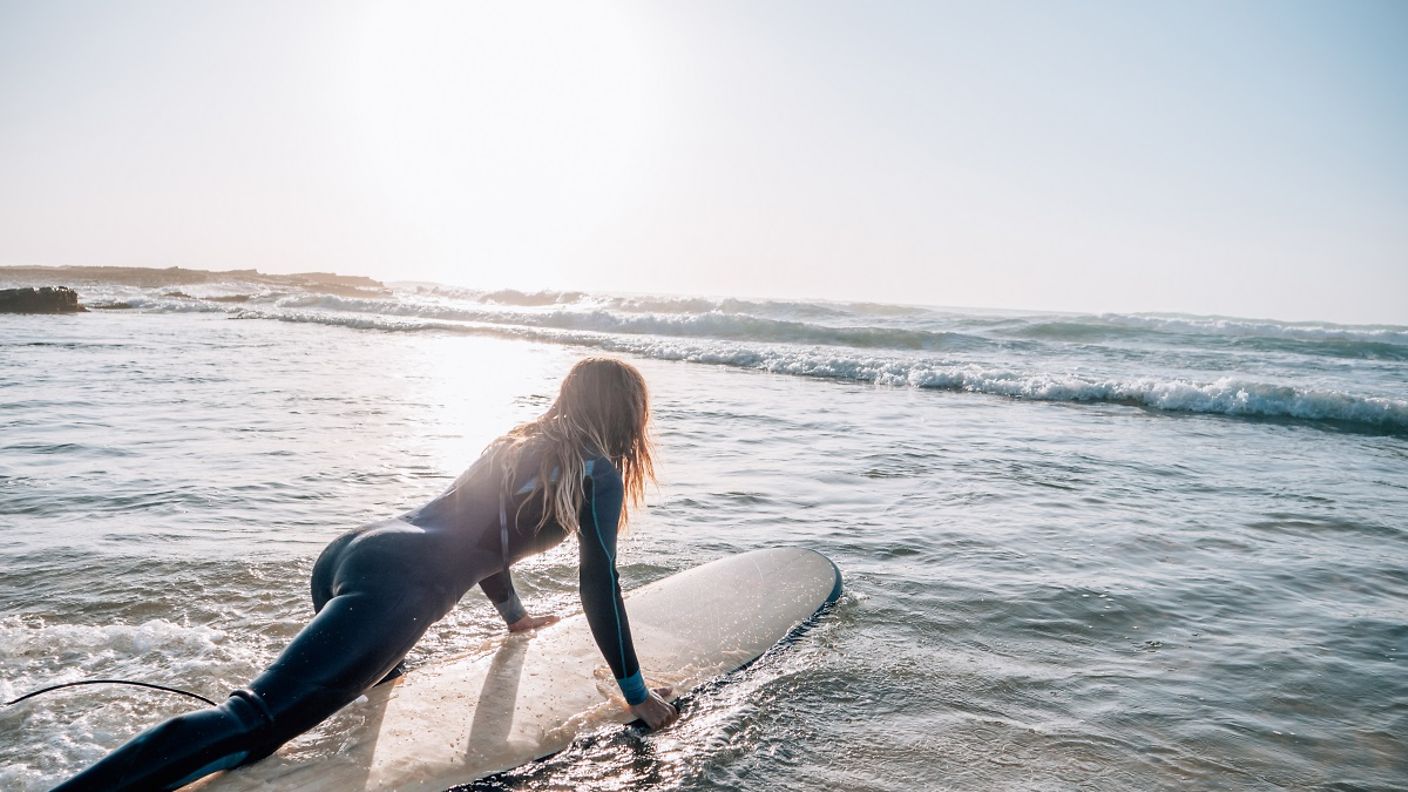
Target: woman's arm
(498, 587)
(600, 588)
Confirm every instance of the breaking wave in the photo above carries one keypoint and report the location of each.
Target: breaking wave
(1173, 363)
(1222, 396)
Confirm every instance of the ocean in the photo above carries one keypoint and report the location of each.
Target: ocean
(1105, 552)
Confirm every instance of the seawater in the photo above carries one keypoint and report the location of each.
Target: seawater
(1080, 552)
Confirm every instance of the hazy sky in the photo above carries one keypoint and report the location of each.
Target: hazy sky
(1246, 158)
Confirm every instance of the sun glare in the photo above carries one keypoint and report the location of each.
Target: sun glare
(477, 123)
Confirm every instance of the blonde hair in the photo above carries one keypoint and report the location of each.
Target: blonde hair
(602, 408)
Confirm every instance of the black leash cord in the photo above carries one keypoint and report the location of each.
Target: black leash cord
(113, 682)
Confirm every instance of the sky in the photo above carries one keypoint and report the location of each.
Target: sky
(1232, 157)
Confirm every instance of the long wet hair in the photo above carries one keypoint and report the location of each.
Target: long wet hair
(603, 408)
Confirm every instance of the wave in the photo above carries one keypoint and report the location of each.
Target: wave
(892, 350)
(671, 305)
(33, 637)
(1265, 328)
(1114, 326)
(158, 304)
(713, 324)
(1223, 396)
(1380, 342)
(104, 648)
(1036, 325)
(876, 326)
(862, 325)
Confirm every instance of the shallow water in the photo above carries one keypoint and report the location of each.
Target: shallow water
(1042, 593)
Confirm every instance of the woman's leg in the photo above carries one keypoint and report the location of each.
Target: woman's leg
(353, 642)
(178, 751)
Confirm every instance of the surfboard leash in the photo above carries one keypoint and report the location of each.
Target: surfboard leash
(112, 682)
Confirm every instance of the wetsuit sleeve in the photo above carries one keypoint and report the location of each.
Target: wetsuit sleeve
(600, 586)
(498, 587)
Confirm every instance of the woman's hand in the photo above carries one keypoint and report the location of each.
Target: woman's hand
(532, 623)
(655, 710)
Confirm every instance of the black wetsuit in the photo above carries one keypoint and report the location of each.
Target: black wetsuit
(375, 591)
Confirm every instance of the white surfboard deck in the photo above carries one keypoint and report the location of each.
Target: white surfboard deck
(529, 697)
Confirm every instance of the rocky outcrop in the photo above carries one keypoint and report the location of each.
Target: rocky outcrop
(47, 300)
(148, 278)
(145, 277)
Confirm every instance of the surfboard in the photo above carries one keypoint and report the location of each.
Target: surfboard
(530, 695)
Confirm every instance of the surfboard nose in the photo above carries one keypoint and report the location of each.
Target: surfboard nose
(837, 586)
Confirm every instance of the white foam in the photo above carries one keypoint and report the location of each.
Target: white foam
(35, 654)
(44, 739)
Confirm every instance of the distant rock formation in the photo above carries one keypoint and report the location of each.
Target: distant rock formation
(47, 300)
(147, 277)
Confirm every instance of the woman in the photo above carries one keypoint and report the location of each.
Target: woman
(377, 589)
